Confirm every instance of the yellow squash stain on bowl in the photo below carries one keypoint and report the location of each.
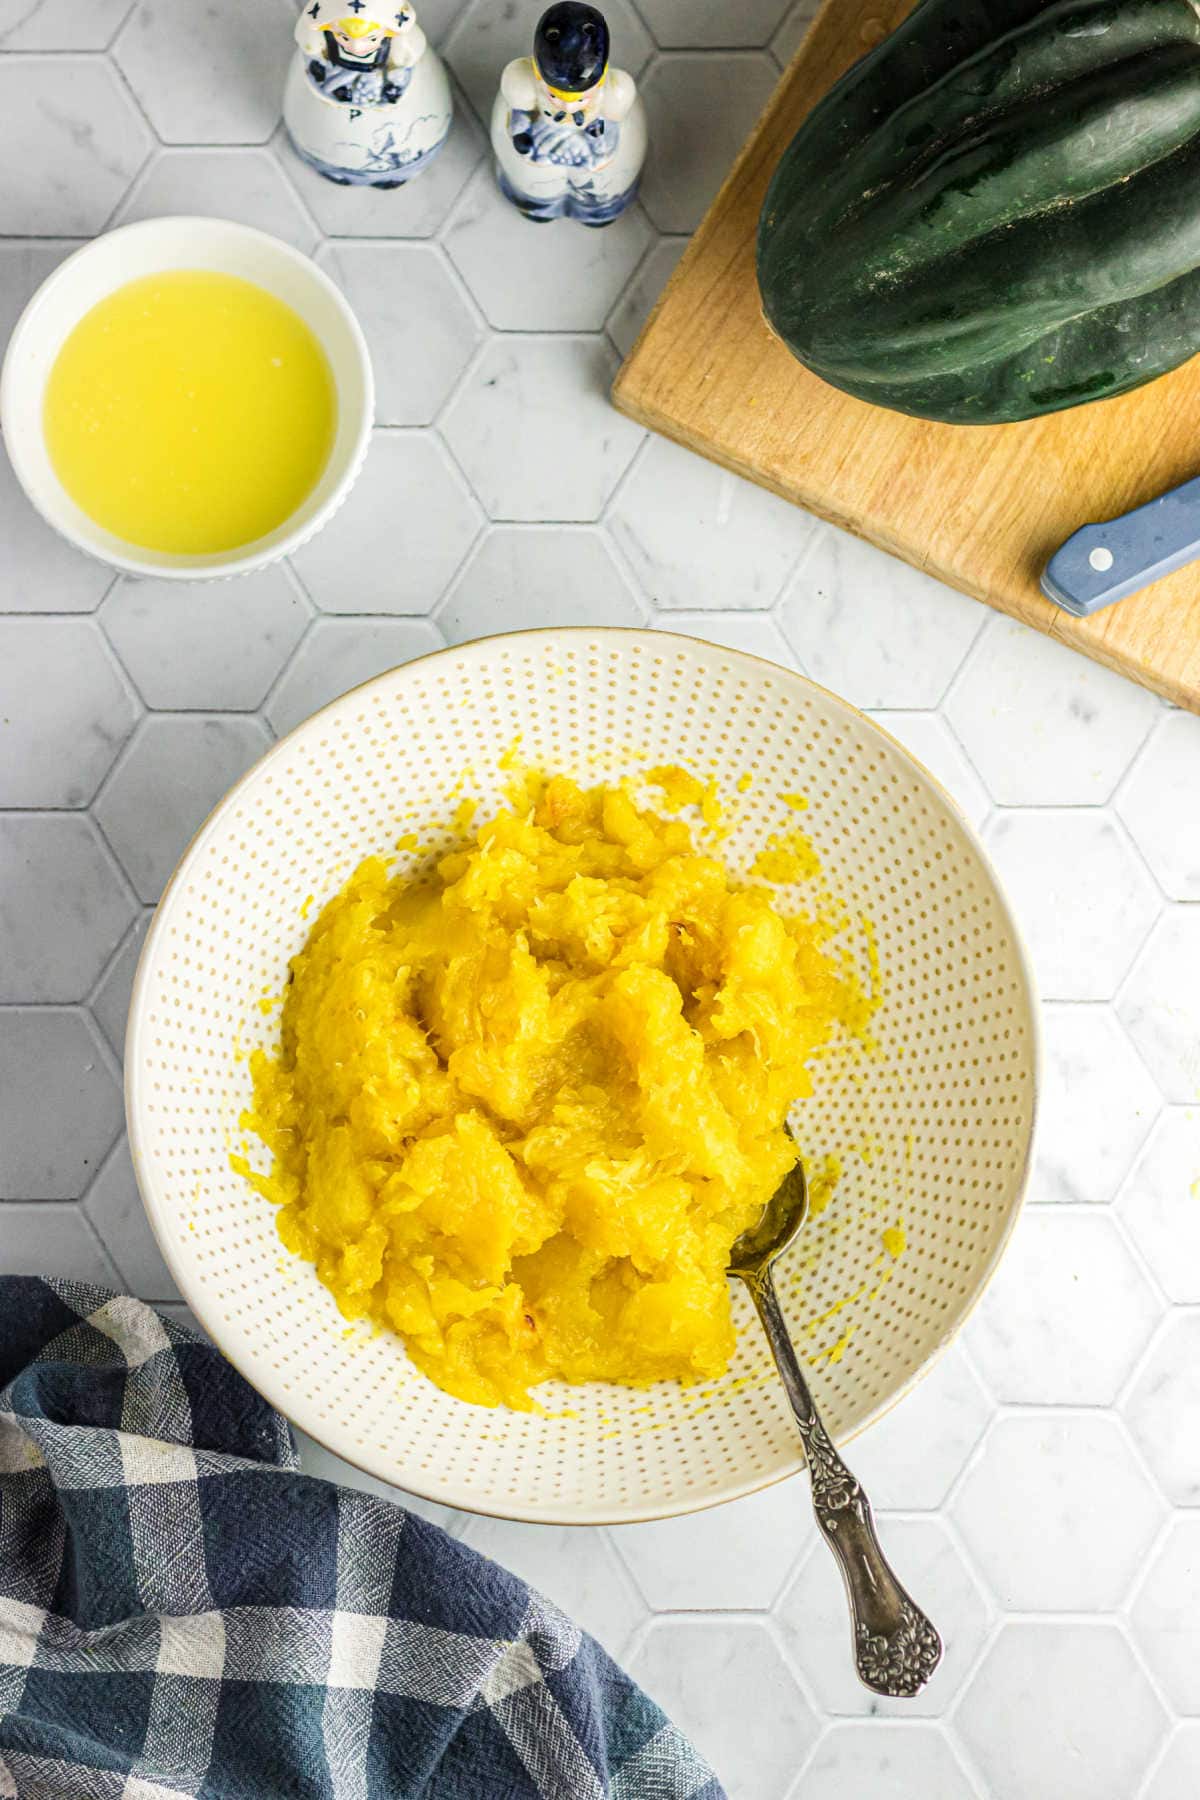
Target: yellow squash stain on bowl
(895, 1241)
(190, 412)
(522, 1105)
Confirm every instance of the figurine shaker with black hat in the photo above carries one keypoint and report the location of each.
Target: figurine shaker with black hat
(568, 129)
(367, 101)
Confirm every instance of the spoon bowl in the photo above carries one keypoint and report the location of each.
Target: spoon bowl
(782, 1217)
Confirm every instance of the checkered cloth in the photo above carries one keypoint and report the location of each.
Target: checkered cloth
(183, 1612)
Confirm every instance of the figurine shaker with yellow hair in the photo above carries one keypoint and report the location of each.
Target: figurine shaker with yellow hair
(568, 127)
(367, 103)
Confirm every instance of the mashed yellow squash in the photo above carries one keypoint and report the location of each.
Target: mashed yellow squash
(520, 1112)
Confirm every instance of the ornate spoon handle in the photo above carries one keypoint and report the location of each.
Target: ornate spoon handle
(896, 1649)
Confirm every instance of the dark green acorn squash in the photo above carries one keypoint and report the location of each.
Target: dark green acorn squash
(997, 212)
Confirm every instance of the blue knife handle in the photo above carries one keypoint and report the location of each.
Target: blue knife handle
(1104, 563)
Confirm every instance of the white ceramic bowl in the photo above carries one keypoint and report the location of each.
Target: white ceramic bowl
(147, 248)
(933, 1133)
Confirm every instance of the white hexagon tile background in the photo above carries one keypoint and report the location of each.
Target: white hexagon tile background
(1041, 1489)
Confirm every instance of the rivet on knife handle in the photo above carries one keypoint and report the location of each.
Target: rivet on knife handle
(1103, 563)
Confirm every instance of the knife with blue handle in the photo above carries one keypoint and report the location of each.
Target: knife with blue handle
(1101, 564)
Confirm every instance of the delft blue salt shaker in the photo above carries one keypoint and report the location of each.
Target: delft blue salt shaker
(568, 130)
(367, 102)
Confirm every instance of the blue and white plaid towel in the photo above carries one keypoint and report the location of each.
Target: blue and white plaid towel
(183, 1612)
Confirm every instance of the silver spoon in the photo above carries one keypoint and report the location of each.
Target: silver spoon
(896, 1649)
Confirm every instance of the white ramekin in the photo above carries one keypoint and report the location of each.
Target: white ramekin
(107, 263)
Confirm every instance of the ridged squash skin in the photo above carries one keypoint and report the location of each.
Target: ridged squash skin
(996, 213)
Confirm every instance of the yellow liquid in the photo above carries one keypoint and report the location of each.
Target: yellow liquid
(190, 412)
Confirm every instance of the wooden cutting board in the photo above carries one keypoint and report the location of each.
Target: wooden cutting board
(981, 507)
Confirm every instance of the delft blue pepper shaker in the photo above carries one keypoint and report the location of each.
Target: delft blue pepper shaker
(568, 129)
(367, 102)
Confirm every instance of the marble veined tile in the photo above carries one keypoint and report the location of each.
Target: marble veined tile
(1163, 1407)
(701, 111)
(191, 646)
(914, 1454)
(759, 1734)
(682, 25)
(421, 331)
(520, 576)
(64, 906)
(24, 265)
(1159, 1005)
(338, 654)
(633, 308)
(1158, 805)
(1061, 1711)
(1165, 1614)
(60, 1109)
(1067, 1314)
(65, 711)
(756, 633)
(736, 1556)
(174, 773)
(876, 631)
(115, 1208)
(91, 141)
(1097, 1511)
(41, 572)
(1160, 1203)
(697, 536)
(853, 1762)
(527, 278)
(109, 1003)
(791, 33)
(1043, 725)
(55, 1240)
(1082, 897)
(210, 74)
(246, 185)
(1098, 1104)
(60, 24)
(371, 558)
(562, 460)
(1177, 1776)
